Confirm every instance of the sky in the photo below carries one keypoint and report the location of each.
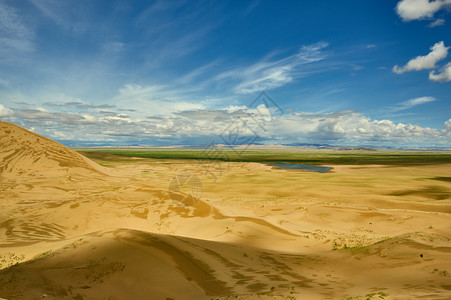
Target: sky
(354, 73)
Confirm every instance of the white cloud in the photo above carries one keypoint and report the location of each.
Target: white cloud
(417, 101)
(438, 52)
(192, 75)
(267, 74)
(443, 76)
(121, 118)
(233, 108)
(438, 22)
(206, 125)
(41, 109)
(410, 10)
(89, 119)
(135, 90)
(183, 106)
(357, 67)
(154, 99)
(413, 102)
(447, 127)
(352, 128)
(5, 112)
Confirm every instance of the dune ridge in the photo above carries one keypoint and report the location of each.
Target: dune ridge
(26, 153)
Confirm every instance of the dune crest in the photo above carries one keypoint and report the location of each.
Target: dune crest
(25, 153)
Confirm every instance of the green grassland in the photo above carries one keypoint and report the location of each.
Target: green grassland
(301, 156)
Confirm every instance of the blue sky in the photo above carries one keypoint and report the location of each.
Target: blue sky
(181, 72)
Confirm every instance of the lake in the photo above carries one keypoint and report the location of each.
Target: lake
(306, 168)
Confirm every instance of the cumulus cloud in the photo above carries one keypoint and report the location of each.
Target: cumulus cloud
(410, 10)
(202, 126)
(443, 76)
(438, 52)
(353, 128)
(5, 112)
(234, 124)
(447, 127)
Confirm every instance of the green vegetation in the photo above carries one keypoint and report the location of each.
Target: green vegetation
(276, 156)
(432, 192)
(446, 179)
(443, 273)
(378, 295)
(43, 254)
(282, 291)
(10, 259)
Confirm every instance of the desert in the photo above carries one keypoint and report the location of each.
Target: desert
(75, 228)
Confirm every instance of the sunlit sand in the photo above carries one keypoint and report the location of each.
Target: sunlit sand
(74, 228)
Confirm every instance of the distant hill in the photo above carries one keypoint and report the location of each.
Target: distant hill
(357, 148)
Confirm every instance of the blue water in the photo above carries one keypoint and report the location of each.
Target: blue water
(306, 168)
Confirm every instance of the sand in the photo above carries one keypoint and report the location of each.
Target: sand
(72, 229)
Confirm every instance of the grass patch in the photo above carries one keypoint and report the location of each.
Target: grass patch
(446, 179)
(432, 192)
(276, 156)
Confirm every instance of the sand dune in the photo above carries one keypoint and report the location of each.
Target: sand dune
(69, 231)
(130, 264)
(23, 152)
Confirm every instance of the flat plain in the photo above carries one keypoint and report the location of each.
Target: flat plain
(183, 224)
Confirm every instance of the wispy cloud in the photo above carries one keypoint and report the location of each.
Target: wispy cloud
(438, 52)
(413, 102)
(197, 72)
(270, 74)
(169, 35)
(154, 99)
(16, 36)
(251, 7)
(357, 67)
(79, 105)
(70, 16)
(438, 22)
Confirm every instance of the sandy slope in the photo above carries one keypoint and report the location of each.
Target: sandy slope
(257, 233)
(23, 152)
(129, 264)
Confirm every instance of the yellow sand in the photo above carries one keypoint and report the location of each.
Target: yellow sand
(81, 231)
